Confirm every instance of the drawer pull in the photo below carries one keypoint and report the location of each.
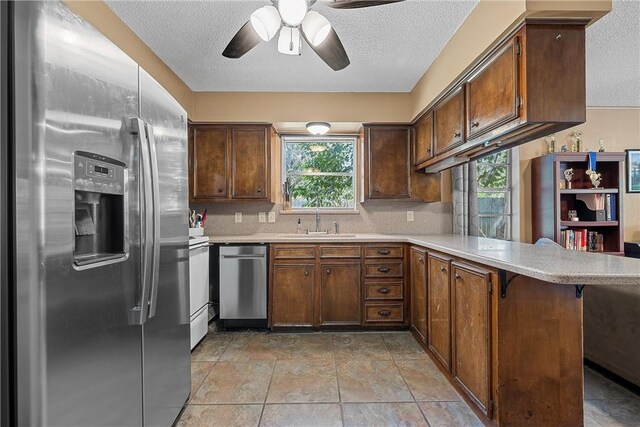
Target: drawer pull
(457, 276)
(384, 290)
(457, 134)
(384, 251)
(306, 272)
(328, 271)
(475, 124)
(444, 270)
(384, 313)
(384, 269)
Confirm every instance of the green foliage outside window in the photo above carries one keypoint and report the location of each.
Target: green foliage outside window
(320, 174)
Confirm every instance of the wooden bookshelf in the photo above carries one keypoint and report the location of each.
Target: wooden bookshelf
(551, 202)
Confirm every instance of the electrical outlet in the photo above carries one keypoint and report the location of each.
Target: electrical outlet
(262, 217)
(272, 217)
(238, 217)
(409, 216)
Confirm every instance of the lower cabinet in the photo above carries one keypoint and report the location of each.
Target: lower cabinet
(418, 271)
(439, 308)
(471, 331)
(292, 294)
(340, 293)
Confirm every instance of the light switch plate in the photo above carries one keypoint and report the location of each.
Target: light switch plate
(262, 217)
(272, 217)
(238, 217)
(409, 216)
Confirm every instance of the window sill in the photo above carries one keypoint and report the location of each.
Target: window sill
(322, 212)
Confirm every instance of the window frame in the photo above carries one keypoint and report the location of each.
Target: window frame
(352, 139)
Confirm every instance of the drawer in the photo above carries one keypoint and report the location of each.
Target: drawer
(384, 251)
(342, 251)
(384, 313)
(384, 269)
(383, 290)
(294, 252)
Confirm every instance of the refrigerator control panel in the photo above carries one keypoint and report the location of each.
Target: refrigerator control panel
(98, 174)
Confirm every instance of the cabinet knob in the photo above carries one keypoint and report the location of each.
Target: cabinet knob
(384, 313)
(475, 124)
(375, 190)
(444, 270)
(383, 251)
(384, 269)
(457, 134)
(421, 260)
(328, 271)
(457, 276)
(306, 272)
(428, 150)
(259, 190)
(220, 190)
(384, 291)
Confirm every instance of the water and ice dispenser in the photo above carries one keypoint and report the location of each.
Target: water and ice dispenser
(100, 210)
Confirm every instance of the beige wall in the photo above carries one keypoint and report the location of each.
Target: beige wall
(103, 18)
(620, 128)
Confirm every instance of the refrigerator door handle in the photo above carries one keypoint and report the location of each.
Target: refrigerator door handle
(142, 308)
(155, 263)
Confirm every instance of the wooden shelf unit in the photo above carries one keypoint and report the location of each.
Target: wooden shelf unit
(550, 203)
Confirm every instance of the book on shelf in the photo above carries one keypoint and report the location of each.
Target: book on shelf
(610, 207)
(576, 240)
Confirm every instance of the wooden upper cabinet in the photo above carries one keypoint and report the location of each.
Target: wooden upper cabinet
(418, 270)
(293, 294)
(340, 293)
(229, 162)
(250, 159)
(492, 92)
(208, 163)
(472, 332)
(439, 308)
(387, 162)
(423, 139)
(449, 121)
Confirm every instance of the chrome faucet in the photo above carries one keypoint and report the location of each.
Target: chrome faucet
(317, 219)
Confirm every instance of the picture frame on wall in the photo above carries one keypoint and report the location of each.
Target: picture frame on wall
(633, 171)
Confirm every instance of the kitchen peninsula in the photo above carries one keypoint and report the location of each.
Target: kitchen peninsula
(502, 320)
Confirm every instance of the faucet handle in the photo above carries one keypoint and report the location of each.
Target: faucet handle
(336, 227)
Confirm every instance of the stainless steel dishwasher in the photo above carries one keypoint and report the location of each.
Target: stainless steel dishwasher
(243, 285)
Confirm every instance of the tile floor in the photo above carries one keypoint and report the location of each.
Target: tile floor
(346, 379)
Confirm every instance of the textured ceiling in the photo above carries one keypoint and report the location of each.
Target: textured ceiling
(390, 46)
(613, 57)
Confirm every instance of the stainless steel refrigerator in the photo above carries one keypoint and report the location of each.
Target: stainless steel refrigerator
(94, 263)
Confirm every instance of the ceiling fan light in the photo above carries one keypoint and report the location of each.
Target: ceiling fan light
(266, 22)
(289, 41)
(318, 128)
(293, 11)
(316, 27)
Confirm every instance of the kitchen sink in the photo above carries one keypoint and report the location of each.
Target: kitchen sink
(315, 236)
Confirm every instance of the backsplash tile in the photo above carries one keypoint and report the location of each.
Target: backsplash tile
(386, 217)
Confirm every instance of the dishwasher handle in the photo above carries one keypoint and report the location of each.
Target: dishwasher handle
(246, 256)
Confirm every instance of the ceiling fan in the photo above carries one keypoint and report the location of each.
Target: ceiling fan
(295, 20)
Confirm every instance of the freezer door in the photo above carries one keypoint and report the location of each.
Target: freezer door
(167, 356)
(78, 352)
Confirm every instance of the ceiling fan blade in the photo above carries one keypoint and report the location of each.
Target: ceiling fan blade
(331, 51)
(357, 4)
(244, 40)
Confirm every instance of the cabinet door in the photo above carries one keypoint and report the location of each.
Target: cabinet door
(449, 122)
(419, 292)
(492, 93)
(423, 141)
(439, 308)
(209, 163)
(387, 167)
(292, 295)
(250, 162)
(340, 293)
(471, 331)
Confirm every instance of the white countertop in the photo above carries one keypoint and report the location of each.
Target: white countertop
(549, 263)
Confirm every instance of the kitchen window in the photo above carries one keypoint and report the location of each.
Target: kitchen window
(319, 172)
(495, 195)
